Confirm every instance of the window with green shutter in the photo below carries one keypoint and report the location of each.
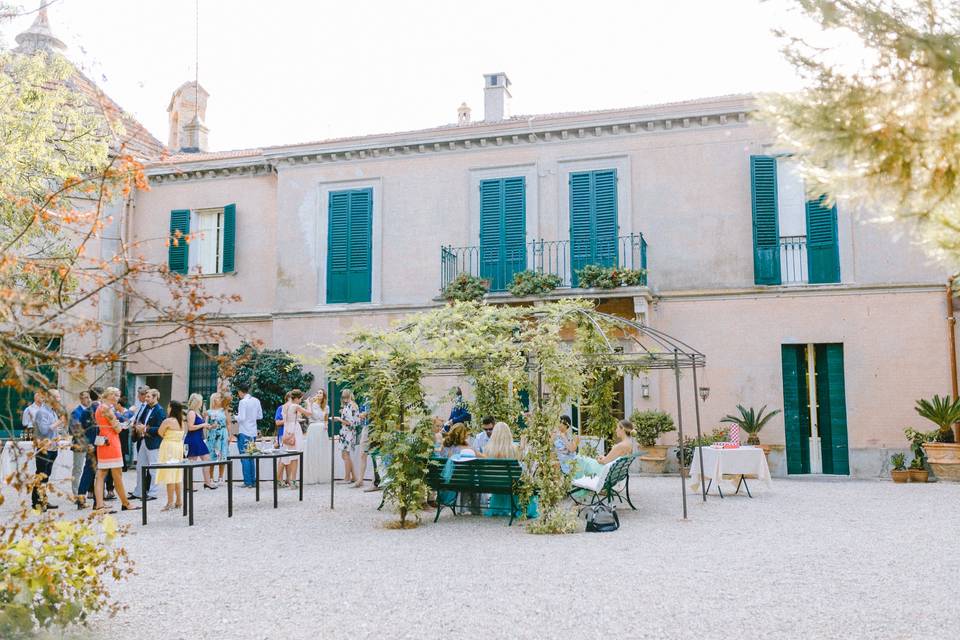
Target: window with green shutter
(503, 221)
(823, 254)
(593, 219)
(204, 370)
(229, 238)
(766, 228)
(349, 245)
(178, 252)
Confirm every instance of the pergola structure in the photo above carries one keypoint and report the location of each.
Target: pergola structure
(635, 346)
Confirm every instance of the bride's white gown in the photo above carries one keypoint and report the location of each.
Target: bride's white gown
(316, 451)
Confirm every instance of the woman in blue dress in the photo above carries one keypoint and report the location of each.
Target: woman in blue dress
(565, 444)
(196, 447)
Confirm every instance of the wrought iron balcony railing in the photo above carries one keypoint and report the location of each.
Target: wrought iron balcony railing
(793, 259)
(498, 265)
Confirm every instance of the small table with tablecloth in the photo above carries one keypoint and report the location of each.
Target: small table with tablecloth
(740, 462)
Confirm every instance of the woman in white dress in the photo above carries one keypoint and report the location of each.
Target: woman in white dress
(293, 438)
(316, 452)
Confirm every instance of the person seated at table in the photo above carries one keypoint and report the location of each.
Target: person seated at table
(624, 447)
(171, 450)
(565, 444)
(482, 438)
(455, 440)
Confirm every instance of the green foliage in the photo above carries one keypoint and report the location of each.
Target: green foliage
(751, 421)
(531, 283)
(271, 373)
(943, 412)
(466, 288)
(595, 276)
(917, 439)
(898, 460)
(406, 454)
(599, 387)
(649, 425)
(55, 574)
(881, 133)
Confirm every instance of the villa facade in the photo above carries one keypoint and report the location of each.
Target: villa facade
(798, 306)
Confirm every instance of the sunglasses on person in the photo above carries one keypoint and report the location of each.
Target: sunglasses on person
(488, 429)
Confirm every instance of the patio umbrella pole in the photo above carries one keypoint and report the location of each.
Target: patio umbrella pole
(331, 472)
(696, 406)
(683, 483)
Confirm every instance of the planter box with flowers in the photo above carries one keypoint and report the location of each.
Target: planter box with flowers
(466, 288)
(596, 277)
(532, 283)
(942, 453)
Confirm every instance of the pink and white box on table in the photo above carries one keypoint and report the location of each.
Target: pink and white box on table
(734, 435)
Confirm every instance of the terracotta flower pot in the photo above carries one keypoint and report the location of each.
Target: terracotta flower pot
(900, 476)
(944, 459)
(654, 459)
(918, 475)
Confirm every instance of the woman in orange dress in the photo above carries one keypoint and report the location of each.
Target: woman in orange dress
(109, 453)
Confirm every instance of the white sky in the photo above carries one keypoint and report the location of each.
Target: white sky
(289, 71)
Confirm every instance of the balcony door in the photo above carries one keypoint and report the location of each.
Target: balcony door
(503, 228)
(593, 220)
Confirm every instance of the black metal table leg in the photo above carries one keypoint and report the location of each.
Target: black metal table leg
(143, 500)
(301, 476)
(274, 482)
(190, 519)
(256, 477)
(230, 488)
(185, 488)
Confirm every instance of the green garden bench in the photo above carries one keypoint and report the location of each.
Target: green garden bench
(603, 487)
(482, 475)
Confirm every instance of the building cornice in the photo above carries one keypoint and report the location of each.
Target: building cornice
(714, 113)
(795, 291)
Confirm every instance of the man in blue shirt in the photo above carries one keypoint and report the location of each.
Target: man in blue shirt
(278, 421)
(45, 425)
(79, 442)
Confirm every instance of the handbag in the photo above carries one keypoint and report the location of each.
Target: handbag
(99, 441)
(601, 518)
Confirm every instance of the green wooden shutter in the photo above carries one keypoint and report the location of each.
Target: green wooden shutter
(491, 201)
(593, 219)
(359, 282)
(229, 237)
(823, 254)
(796, 414)
(338, 232)
(178, 253)
(605, 217)
(503, 230)
(832, 409)
(349, 245)
(766, 227)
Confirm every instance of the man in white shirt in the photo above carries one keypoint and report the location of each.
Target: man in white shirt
(248, 412)
(30, 413)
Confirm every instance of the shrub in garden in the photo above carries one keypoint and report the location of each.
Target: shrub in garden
(594, 276)
(649, 425)
(270, 374)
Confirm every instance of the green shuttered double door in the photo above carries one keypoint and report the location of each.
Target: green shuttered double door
(593, 220)
(503, 229)
(349, 245)
(831, 408)
(823, 256)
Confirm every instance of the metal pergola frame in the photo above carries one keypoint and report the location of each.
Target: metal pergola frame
(649, 349)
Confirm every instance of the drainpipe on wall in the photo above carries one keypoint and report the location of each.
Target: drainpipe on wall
(124, 307)
(952, 340)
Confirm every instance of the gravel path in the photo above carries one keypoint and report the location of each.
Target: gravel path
(809, 559)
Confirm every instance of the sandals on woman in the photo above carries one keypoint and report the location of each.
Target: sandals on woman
(126, 508)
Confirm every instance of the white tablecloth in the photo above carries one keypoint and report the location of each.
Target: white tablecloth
(62, 466)
(720, 462)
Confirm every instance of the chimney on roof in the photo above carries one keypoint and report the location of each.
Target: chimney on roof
(186, 112)
(496, 97)
(463, 114)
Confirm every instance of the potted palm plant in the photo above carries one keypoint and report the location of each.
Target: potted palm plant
(751, 422)
(648, 426)
(899, 472)
(942, 452)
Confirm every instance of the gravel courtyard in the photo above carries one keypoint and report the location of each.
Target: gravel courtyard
(808, 559)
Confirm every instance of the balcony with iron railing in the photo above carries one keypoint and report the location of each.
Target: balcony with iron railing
(793, 260)
(553, 257)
